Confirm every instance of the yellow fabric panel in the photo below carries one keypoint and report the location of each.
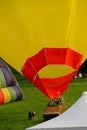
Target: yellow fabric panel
(27, 26)
(77, 37)
(7, 96)
(54, 71)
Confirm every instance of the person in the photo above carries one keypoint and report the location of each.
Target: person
(31, 114)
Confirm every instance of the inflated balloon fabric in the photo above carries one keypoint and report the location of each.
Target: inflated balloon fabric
(1, 97)
(8, 76)
(50, 39)
(2, 80)
(13, 94)
(7, 96)
(18, 92)
(10, 94)
(9, 88)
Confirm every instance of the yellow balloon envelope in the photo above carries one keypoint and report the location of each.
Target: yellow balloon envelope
(46, 39)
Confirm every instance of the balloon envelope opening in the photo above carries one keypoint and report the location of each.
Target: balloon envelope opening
(55, 71)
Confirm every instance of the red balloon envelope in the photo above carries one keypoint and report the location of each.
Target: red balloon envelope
(53, 87)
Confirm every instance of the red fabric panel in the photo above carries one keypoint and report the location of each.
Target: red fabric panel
(38, 83)
(1, 97)
(28, 71)
(50, 56)
(57, 90)
(39, 60)
(54, 88)
(56, 55)
(73, 59)
(34, 64)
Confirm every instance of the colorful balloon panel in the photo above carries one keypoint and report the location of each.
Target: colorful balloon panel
(18, 93)
(2, 80)
(10, 94)
(9, 88)
(7, 96)
(8, 76)
(13, 94)
(1, 97)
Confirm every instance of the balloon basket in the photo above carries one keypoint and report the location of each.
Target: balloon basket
(52, 110)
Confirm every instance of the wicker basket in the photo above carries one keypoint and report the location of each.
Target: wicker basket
(52, 111)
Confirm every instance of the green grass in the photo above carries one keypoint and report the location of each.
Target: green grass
(14, 116)
(74, 91)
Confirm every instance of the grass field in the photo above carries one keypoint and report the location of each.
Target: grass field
(14, 116)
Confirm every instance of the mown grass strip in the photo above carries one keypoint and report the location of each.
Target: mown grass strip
(14, 116)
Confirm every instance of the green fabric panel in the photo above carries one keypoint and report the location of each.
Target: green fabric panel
(13, 94)
(2, 80)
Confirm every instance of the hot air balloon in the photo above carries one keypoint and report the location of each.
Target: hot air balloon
(9, 87)
(44, 40)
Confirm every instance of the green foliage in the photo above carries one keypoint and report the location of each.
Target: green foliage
(14, 116)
